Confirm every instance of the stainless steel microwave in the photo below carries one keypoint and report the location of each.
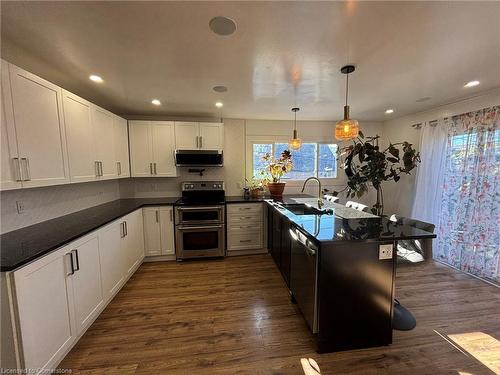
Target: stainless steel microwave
(199, 158)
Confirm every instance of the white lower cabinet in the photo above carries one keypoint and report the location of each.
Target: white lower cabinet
(87, 291)
(245, 228)
(57, 297)
(159, 231)
(45, 307)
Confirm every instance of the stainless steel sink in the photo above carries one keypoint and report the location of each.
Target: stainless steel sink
(304, 209)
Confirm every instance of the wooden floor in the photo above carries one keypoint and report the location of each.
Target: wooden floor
(234, 316)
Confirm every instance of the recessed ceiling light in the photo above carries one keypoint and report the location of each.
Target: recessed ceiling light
(471, 84)
(389, 111)
(95, 78)
(219, 104)
(156, 102)
(222, 25)
(219, 88)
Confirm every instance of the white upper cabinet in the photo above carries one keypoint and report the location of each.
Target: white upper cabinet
(104, 143)
(79, 138)
(163, 134)
(199, 136)
(152, 149)
(211, 136)
(186, 135)
(10, 167)
(37, 117)
(121, 147)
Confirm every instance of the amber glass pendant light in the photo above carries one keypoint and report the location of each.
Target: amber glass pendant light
(346, 128)
(295, 143)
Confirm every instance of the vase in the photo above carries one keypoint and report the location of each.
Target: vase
(276, 189)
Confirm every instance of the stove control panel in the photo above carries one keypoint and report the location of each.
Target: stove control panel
(202, 185)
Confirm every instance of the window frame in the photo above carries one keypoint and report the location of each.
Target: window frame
(250, 141)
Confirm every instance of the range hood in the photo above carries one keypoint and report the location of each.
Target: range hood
(198, 158)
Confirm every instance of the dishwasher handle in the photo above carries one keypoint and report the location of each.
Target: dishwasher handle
(307, 244)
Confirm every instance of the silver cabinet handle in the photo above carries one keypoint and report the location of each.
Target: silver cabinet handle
(17, 168)
(197, 142)
(122, 229)
(154, 167)
(245, 240)
(26, 163)
(245, 208)
(100, 168)
(201, 141)
(151, 168)
(126, 228)
(157, 213)
(96, 168)
(119, 168)
(171, 215)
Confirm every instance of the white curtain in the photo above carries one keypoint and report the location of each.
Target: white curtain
(429, 177)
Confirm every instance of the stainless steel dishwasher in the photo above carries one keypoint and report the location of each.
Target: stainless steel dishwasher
(304, 276)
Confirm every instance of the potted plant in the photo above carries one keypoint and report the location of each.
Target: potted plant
(366, 165)
(275, 169)
(256, 187)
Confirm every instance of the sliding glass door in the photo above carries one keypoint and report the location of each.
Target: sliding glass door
(469, 220)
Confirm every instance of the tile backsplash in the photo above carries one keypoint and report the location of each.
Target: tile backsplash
(40, 204)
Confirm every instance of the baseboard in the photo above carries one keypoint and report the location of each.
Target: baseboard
(160, 258)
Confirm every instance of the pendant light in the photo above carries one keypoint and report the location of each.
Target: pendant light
(295, 143)
(346, 128)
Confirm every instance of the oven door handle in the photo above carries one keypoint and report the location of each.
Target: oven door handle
(198, 208)
(199, 227)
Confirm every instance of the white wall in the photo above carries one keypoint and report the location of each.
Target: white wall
(399, 196)
(49, 202)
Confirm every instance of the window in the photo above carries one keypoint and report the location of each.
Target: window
(313, 159)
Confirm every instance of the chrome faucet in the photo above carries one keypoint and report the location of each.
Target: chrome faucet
(320, 198)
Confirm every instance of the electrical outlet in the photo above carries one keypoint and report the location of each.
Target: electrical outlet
(20, 207)
(385, 252)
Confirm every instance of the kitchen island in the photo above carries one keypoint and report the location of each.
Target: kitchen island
(339, 265)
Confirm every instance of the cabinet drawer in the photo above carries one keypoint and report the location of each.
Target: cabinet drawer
(248, 217)
(244, 208)
(243, 239)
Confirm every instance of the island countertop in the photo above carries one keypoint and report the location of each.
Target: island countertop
(340, 223)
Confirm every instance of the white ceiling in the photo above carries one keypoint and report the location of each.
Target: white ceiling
(283, 54)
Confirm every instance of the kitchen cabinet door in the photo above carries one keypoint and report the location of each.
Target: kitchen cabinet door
(141, 151)
(10, 168)
(87, 290)
(112, 259)
(133, 242)
(167, 230)
(285, 250)
(41, 138)
(44, 300)
(186, 135)
(121, 147)
(211, 136)
(103, 130)
(163, 144)
(152, 239)
(79, 138)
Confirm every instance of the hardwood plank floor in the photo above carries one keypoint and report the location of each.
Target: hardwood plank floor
(234, 316)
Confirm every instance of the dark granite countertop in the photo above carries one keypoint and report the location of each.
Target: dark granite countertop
(338, 225)
(27, 244)
(242, 199)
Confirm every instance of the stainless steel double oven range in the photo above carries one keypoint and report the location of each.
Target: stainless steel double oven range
(199, 220)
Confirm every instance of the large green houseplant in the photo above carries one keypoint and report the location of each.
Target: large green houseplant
(366, 165)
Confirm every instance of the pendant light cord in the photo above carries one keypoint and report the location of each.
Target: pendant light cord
(347, 88)
(295, 121)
